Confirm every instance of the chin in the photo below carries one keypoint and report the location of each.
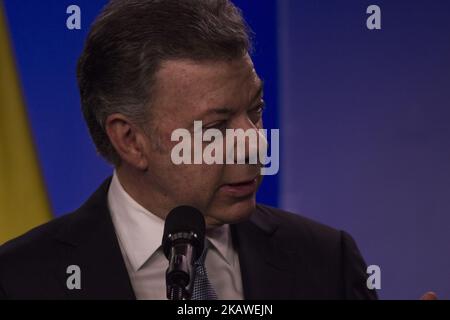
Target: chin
(233, 213)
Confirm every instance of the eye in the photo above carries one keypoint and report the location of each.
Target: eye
(256, 112)
(219, 125)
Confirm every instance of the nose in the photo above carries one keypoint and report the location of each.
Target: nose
(248, 143)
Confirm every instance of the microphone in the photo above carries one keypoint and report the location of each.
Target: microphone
(183, 242)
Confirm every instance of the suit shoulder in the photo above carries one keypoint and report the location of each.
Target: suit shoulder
(295, 221)
(35, 241)
(331, 253)
(296, 227)
(39, 240)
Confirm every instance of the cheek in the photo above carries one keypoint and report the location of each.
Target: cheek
(197, 183)
(206, 178)
(186, 183)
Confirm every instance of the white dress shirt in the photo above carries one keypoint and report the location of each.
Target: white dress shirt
(140, 233)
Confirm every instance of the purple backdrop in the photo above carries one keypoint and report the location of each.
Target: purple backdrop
(366, 124)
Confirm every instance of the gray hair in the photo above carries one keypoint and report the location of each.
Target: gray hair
(131, 38)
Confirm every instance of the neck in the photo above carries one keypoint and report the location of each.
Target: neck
(134, 183)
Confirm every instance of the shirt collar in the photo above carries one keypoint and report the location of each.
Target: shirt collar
(139, 231)
(220, 239)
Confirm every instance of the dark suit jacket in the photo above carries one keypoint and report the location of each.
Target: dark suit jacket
(282, 256)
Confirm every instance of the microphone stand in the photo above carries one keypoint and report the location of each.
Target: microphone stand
(181, 272)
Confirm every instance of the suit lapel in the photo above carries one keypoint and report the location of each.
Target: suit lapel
(89, 241)
(265, 265)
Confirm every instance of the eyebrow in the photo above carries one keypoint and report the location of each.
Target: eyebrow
(226, 110)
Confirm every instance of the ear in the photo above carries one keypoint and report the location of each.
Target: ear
(128, 140)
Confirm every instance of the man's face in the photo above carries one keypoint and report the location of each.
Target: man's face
(223, 95)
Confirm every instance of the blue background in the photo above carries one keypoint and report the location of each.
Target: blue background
(363, 117)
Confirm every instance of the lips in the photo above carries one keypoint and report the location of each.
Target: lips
(240, 189)
(240, 183)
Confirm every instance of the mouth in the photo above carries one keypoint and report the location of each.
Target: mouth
(241, 189)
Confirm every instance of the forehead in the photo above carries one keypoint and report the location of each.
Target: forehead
(185, 85)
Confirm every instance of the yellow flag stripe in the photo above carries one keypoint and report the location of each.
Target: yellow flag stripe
(23, 199)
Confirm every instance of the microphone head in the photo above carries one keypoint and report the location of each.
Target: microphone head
(184, 221)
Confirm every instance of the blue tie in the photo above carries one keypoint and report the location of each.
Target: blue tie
(203, 290)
